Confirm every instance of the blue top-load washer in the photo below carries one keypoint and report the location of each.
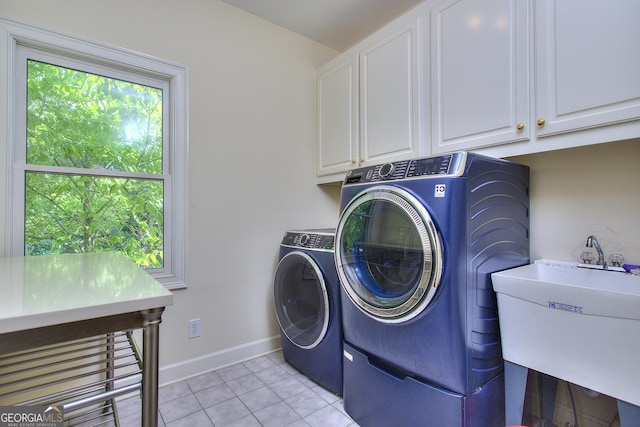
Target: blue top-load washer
(416, 243)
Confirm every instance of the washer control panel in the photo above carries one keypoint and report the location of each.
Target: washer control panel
(450, 164)
(322, 241)
(430, 166)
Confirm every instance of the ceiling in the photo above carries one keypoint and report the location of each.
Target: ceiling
(335, 23)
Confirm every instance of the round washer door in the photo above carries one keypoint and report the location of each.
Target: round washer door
(388, 254)
(301, 300)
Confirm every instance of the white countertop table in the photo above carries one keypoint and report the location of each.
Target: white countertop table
(57, 298)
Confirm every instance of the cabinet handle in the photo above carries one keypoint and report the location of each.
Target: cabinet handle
(353, 161)
(541, 122)
(520, 126)
(361, 160)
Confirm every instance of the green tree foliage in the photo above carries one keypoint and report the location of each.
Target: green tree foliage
(96, 144)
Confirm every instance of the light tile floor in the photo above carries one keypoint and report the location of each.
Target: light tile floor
(265, 391)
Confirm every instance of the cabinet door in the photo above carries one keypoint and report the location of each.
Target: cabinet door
(479, 71)
(390, 98)
(337, 127)
(588, 63)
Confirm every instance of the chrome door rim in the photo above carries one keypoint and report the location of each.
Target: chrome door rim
(325, 297)
(428, 283)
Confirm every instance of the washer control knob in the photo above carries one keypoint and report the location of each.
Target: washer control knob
(303, 239)
(386, 170)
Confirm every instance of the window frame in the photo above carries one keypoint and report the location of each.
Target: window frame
(17, 39)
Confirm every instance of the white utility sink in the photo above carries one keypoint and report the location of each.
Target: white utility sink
(576, 324)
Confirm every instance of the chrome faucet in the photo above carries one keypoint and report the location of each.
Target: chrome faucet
(592, 242)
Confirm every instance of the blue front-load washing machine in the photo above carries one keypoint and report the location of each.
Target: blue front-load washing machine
(306, 294)
(416, 244)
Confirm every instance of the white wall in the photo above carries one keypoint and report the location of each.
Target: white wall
(582, 191)
(251, 168)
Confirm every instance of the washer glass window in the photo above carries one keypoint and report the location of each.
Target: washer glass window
(388, 253)
(301, 300)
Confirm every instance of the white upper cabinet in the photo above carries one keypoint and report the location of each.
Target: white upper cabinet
(390, 96)
(479, 73)
(337, 116)
(587, 64)
(514, 77)
(501, 77)
(371, 100)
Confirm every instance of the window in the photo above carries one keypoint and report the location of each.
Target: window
(98, 151)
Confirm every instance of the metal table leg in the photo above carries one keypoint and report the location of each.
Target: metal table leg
(150, 341)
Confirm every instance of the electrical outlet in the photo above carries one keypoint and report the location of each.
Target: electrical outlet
(194, 328)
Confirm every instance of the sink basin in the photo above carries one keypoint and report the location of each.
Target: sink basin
(590, 292)
(576, 324)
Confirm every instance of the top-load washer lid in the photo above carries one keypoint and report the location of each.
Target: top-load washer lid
(388, 254)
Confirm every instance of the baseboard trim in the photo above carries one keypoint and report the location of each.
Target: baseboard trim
(219, 359)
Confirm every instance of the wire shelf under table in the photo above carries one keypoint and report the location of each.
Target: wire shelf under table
(84, 376)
